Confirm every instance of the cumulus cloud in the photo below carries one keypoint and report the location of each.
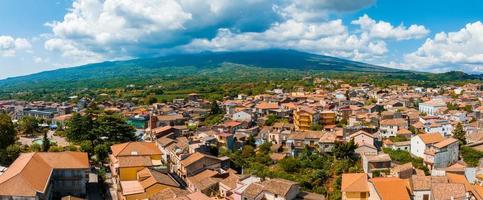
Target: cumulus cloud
(10, 45)
(384, 30)
(95, 30)
(331, 38)
(311, 10)
(459, 50)
(135, 28)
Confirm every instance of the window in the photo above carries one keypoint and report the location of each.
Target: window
(426, 197)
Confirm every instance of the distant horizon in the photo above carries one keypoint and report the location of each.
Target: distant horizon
(208, 51)
(37, 36)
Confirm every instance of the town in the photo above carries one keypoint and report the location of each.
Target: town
(334, 141)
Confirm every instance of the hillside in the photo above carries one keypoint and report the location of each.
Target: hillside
(185, 65)
(211, 68)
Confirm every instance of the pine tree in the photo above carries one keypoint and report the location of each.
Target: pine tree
(459, 133)
(45, 143)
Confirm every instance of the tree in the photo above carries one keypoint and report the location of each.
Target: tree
(28, 125)
(8, 155)
(215, 109)
(7, 131)
(112, 127)
(344, 150)
(86, 146)
(45, 143)
(101, 151)
(150, 99)
(79, 128)
(271, 119)
(459, 133)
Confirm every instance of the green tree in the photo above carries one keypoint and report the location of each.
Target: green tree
(344, 150)
(101, 151)
(7, 131)
(79, 128)
(9, 155)
(45, 142)
(112, 127)
(150, 99)
(459, 133)
(215, 108)
(28, 125)
(86, 146)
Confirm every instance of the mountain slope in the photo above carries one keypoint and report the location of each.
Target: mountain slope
(185, 65)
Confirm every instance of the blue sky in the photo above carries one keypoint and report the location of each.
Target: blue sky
(428, 35)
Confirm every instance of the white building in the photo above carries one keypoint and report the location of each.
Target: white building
(242, 116)
(432, 106)
(439, 126)
(420, 143)
(390, 127)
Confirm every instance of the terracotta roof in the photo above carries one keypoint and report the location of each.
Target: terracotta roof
(154, 177)
(198, 196)
(30, 172)
(134, 161)
(431, 138)
(275, 186)
(170, 117)
(394, 122)
(204, 179)
(265, 105)
(459, 178)
(131, 187)
(135, 148)
(354, 182)
(195, 157)
(232, 123)
(306, 135)
(171, 194)
(445, 191)
(391, 188)
(445, 142)
(360, 132)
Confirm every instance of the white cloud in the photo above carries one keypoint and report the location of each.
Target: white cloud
(330, 38)
(384, 30)
(10, 45)
(461, 50)
(312, 10)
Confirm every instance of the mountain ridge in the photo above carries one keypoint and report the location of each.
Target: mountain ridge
(105, 74)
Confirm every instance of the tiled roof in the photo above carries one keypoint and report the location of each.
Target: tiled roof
(30, 172)
(135, 148)
(154, 177)
(354, 182)
(445, 191)
(391, 188)
(195, 157)
(134, 161)
(445, 142)
(431, 138)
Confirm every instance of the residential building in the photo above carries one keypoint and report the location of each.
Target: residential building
(304, 118)
(390, 127)
(45, 175)
(127, 159)
(373, 163)
(272, 189)
(389, 188)
(354, 186)
(442, 154)
(421, 142)
(431, 107)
